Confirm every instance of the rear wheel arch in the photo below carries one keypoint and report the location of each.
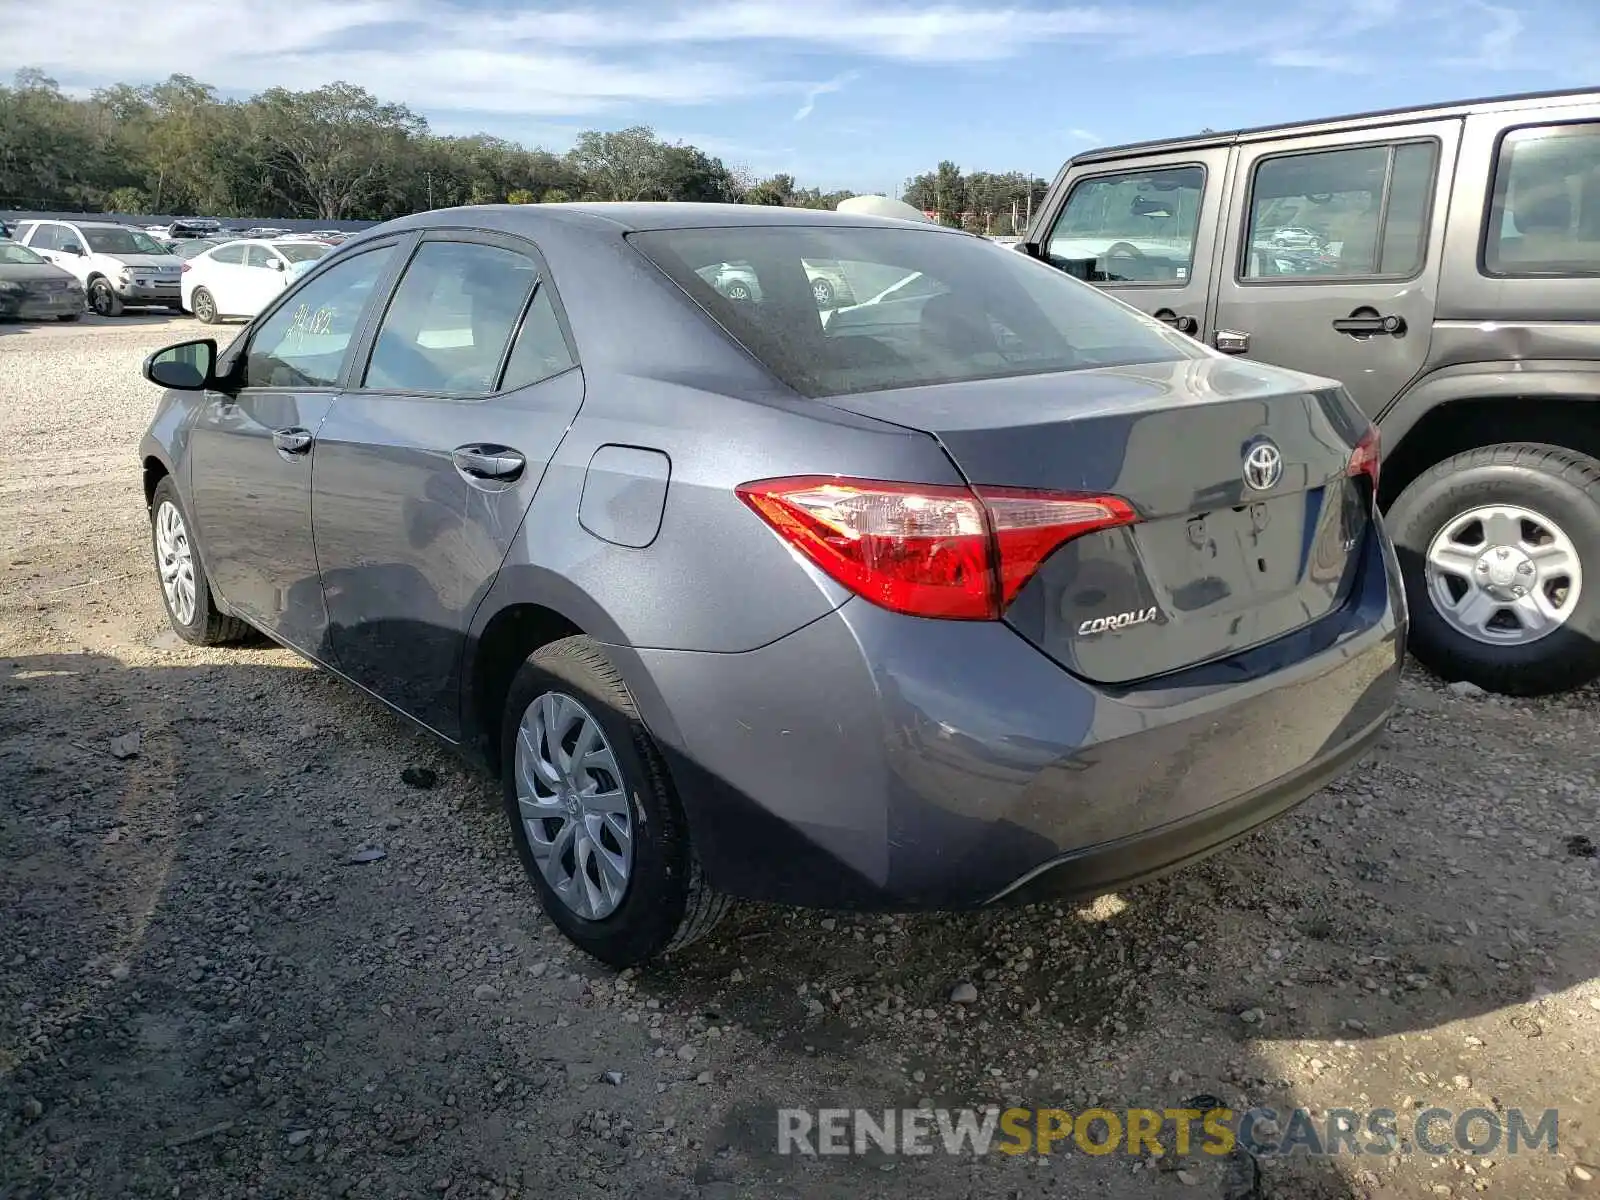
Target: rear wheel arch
(1448, 415)
(497, 654)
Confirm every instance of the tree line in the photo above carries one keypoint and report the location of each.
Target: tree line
(339, 153)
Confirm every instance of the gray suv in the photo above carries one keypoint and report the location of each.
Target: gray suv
(1444, 263)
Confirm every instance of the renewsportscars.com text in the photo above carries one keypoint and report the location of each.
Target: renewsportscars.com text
(1140, 1132)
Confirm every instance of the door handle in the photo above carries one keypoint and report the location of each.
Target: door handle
(488, 462)
(1366, 322)
(1231, 341)
(1181, 323)
(292, 441)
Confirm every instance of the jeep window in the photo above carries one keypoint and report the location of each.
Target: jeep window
(1136, 227)
(122, 241)
(1340, 214)
(1544, 215)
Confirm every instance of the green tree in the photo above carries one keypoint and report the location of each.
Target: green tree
(331, 145)
(626, 164)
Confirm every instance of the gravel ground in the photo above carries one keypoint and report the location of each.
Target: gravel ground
(202, 995)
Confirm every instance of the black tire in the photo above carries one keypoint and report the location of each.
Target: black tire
(667, 904)
(207, 626)
(205, 306)
(68, 316)
(1559, 483)
(822, 290)
(103, 298)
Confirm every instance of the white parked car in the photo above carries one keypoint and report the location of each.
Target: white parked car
(239, 279)
(116, 264)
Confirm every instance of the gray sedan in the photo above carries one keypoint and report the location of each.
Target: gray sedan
(33, 289)
(989, 590)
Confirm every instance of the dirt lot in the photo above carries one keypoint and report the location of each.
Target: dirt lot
(201, 995)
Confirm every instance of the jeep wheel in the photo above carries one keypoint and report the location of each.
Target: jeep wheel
(1495, 545)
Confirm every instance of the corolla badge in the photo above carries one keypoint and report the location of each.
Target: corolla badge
(1121, 620)
(1263, 465)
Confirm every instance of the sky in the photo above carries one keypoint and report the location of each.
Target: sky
(839, 93)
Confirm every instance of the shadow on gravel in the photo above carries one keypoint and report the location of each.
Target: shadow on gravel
(1370, 912)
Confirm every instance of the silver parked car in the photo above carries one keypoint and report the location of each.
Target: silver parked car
(984, 590)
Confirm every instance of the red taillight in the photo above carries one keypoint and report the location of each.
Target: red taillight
(926, 549)
(1364, 459)
(182, 267)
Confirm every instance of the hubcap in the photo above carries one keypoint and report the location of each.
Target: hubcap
(574, 805)
(202, 305)
(1504, 575)
(822, 292)
(175, 561)
(102, 298)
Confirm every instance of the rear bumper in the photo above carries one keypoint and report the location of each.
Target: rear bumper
(879, 762)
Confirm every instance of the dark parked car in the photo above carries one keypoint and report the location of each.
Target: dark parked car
(1026, 595)
(31, 288)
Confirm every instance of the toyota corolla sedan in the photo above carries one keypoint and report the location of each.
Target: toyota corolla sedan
(998, 592)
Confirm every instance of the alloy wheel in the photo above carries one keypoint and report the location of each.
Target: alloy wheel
(100, 297)
(175, 559)
(1503, 574)
(573, 801)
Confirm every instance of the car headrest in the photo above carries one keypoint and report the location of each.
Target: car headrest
(1549, 213)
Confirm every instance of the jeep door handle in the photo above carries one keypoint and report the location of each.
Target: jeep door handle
(1182, 324)
(292, 441)
(488, 462)
(1369, 323)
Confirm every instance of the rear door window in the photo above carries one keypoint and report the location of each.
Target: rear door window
(1341, 214)
(1544, 216)
(450, 321)
(541, 350)
(926, 306)
(231, 255)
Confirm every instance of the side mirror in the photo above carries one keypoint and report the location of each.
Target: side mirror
(186, 367)
(277, 264)
(71, 249)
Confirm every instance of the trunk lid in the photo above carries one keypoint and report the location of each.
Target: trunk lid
(1214, 566)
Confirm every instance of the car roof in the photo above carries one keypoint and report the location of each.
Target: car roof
(642, 216)
(1383, 116)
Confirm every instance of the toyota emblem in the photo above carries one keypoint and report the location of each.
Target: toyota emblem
(1263, 466)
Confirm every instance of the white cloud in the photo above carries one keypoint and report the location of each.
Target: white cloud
(809, 104)
(572, 59)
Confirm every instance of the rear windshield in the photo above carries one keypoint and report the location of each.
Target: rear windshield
(834, 310)
(301, 251)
